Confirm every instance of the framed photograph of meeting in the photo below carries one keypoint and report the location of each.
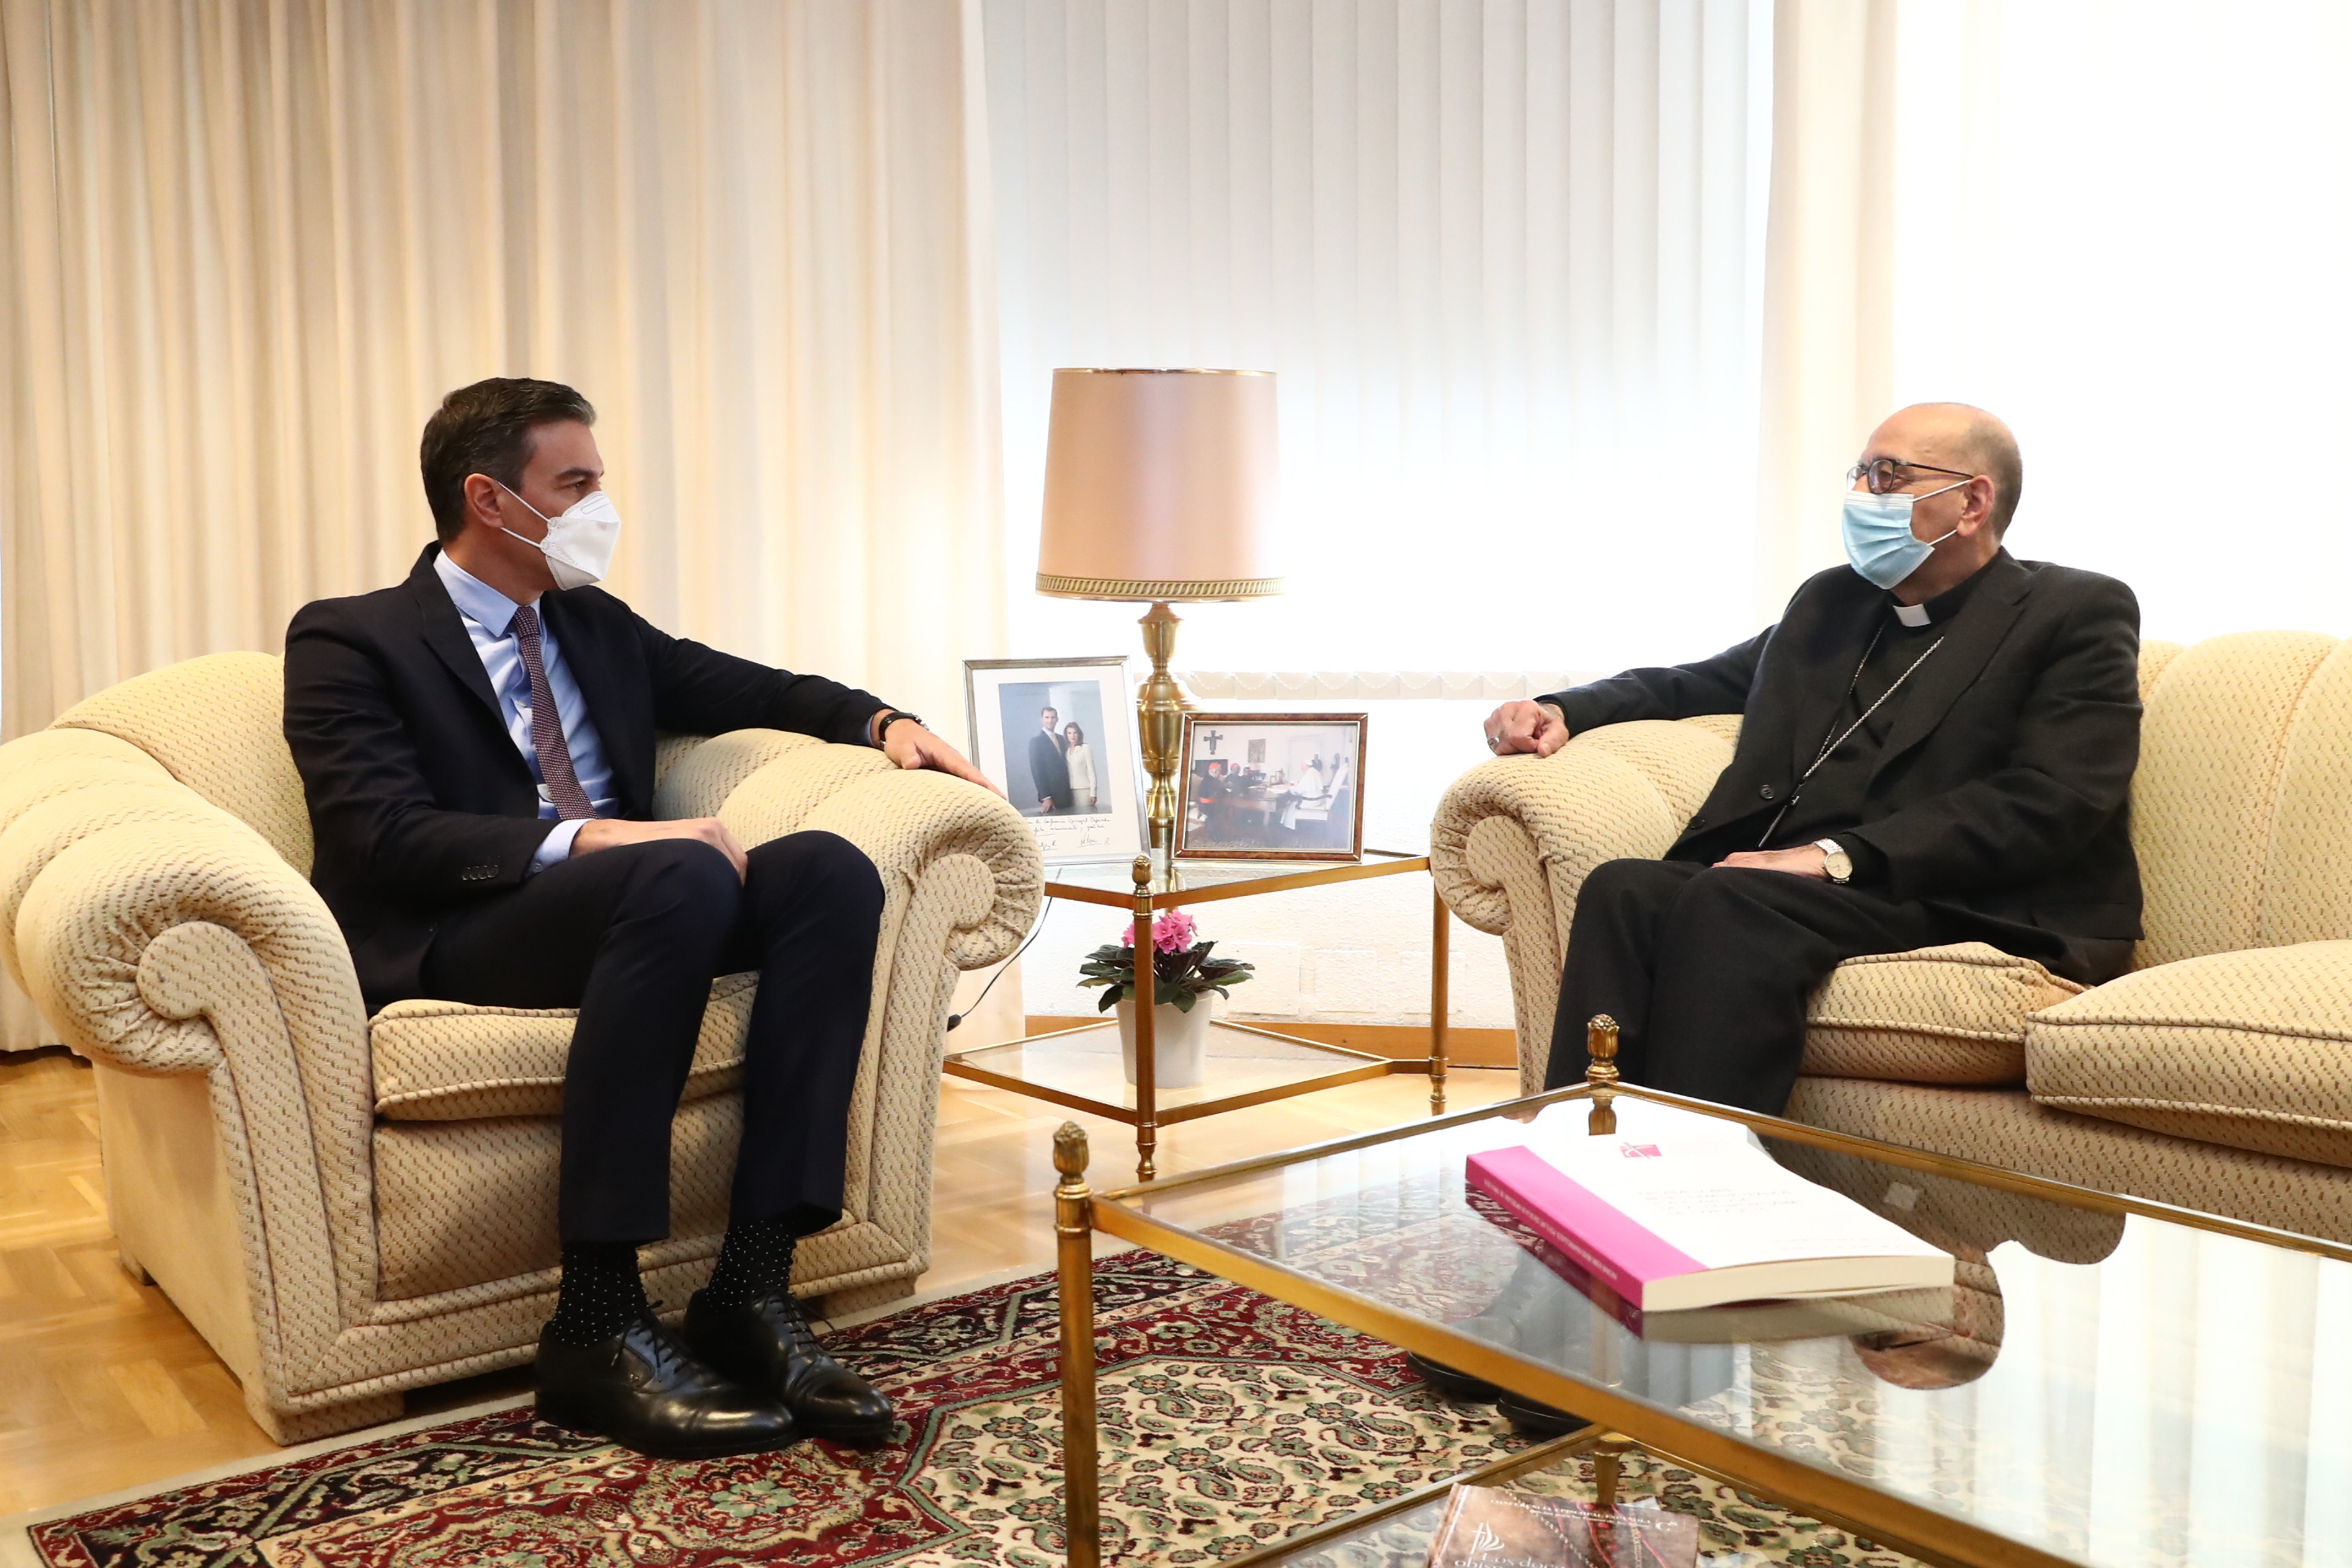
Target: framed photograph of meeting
(1272, 786)
(1059, 735)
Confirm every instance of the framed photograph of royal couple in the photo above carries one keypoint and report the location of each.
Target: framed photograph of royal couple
(1059, 735)
(1272, 786)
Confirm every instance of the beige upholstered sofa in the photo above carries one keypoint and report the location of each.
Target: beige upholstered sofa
(347, 1206)
(2217, 1075)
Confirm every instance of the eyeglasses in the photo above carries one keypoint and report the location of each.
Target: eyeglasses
(1886, 474)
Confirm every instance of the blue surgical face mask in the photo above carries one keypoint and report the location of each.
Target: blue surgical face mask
(1878, 537)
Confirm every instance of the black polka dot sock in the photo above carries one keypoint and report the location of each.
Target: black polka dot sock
(755, 1259)
(600, 1293)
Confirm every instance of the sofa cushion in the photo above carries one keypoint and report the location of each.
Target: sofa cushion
(2252, 1049)
(1934, 1014)
(445, 1061)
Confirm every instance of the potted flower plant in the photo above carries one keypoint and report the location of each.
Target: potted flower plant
(1183, 976)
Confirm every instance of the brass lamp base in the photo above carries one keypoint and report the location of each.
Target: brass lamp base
(1159, 710)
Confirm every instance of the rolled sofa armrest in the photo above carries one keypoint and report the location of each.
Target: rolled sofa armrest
(88, 922)
(921, 829)
(160, 935)
(102, 853)
(1515, 837)
(696, 773)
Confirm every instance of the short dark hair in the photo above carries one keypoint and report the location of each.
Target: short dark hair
(486, 428)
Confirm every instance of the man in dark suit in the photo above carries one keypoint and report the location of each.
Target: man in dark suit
(477, 747)
(1212, 793)
(1049, 765)
(1937, 747)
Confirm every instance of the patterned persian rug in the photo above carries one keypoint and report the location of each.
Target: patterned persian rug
(1228, 1420)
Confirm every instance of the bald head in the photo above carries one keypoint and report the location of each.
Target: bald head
(1964, 438)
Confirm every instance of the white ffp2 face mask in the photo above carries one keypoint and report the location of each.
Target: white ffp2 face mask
(579, 540)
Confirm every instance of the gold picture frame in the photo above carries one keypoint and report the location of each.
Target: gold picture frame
(1271, 787)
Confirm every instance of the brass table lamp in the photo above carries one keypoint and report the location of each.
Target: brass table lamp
(1160, 487)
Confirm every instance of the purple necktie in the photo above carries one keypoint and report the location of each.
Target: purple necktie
(547, 725)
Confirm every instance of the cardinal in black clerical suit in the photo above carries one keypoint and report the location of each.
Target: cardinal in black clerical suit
(1937, 747)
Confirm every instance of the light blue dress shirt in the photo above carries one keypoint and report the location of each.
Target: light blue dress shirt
(489, 617)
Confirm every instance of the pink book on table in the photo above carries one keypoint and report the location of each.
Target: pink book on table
(1601, 1237)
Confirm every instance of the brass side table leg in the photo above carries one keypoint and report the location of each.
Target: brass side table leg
(1440, 1000)
(1608, 1451)
(1601, 1073)
(1074, 1256)
(1147, 1050)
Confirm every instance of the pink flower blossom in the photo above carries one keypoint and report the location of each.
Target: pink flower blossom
(1171, 933)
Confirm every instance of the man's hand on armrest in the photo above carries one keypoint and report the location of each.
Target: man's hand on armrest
(608, 832)
(1535, 727)
(909, 745)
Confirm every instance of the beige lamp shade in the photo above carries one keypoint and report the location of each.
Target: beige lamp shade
(1160, 484)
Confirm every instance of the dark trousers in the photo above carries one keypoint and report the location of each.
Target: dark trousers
(1707, 970)
(632, 936)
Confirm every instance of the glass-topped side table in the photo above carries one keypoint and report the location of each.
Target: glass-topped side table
(1080, 1068)
(2109, 1382)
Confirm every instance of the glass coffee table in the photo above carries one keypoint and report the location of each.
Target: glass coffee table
(2112, 1382)
(1081, 1068)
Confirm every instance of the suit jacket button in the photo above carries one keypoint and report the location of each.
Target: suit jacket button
(1698, 822)
(1768, 793)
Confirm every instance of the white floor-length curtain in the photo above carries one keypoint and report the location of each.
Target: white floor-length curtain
(2125, 227)
(246, 245)
(1505, 256)
(1827, 377)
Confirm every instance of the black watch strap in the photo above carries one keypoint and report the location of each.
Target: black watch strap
(882, 731)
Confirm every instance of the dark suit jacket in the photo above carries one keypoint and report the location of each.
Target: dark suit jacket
(2002, 794)
(420, 800)
(1049, 769)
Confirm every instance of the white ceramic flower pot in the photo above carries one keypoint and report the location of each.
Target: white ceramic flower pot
(1179, 1041)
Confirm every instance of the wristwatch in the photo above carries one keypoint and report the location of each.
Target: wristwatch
(1835, 861)
(882, 731)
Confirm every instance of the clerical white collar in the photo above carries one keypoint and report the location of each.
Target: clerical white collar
(1912, 615)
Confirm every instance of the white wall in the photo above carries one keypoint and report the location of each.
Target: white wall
(2126, 230)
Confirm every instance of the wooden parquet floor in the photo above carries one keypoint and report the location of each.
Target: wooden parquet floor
(104, 1385)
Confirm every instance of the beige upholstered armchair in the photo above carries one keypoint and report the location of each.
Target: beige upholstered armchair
(2214, 1075)
(347, 1206)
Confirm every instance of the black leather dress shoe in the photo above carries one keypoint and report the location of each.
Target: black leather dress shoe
(1450, 1382)
(646, 1391)
(1536, 1420)
(770, 1346)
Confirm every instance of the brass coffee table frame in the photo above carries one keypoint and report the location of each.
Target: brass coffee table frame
(1146, 1115)
(1835, 1498)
